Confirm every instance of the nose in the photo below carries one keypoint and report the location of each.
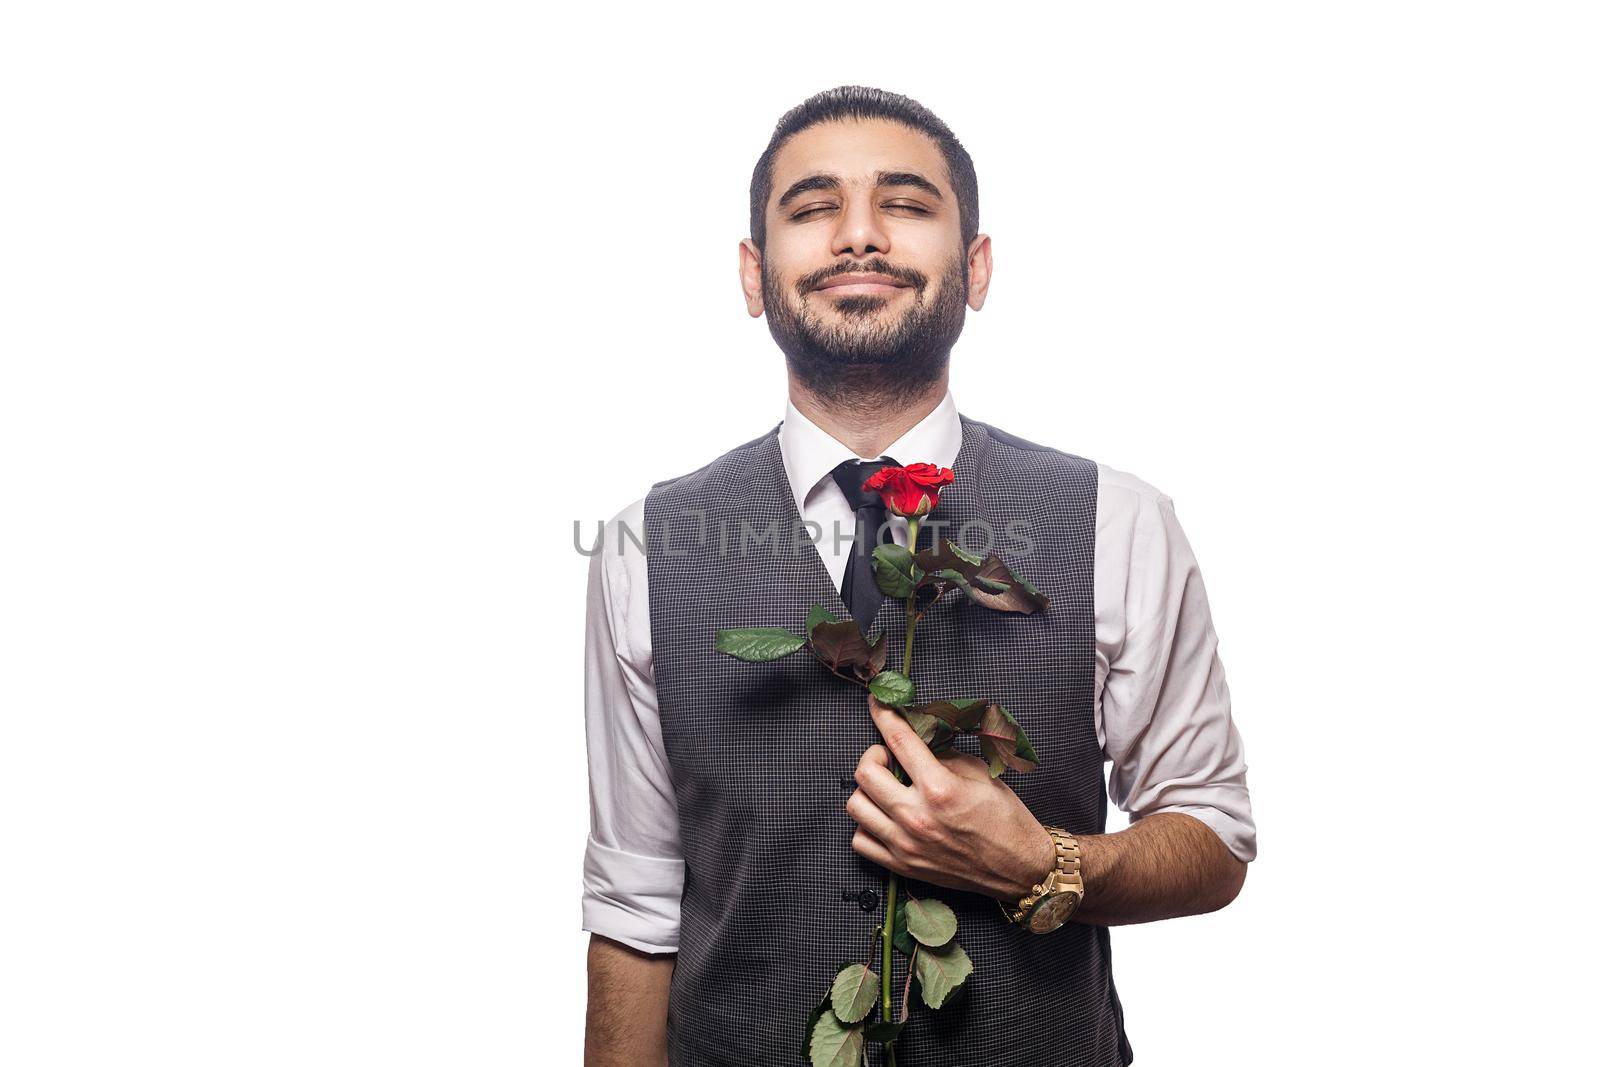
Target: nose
(859, 231)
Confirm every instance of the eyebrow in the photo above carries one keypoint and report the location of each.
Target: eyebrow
(885, 179)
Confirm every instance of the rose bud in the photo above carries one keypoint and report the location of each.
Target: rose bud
(912, 491)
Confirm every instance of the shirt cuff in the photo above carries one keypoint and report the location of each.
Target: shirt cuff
(631, 898)
(1238, 835)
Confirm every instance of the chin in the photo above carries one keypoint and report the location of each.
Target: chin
(855, 308)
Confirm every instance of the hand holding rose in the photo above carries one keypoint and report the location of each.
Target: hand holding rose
(954, 825)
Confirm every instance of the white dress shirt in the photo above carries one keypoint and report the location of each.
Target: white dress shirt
(1161, 708)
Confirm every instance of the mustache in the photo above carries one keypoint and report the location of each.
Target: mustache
(873, 266)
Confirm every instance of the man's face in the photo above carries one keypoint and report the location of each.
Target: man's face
(864, 278)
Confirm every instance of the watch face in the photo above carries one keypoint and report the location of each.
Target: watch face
(1052, 913)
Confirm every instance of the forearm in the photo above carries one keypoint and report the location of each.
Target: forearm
(627, 1016)
(1163, 866)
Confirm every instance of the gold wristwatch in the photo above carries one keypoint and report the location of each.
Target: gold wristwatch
(1053, 901)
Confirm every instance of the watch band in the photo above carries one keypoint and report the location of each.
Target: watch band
(1065, 876)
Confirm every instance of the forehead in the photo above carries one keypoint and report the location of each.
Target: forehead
(855, 150)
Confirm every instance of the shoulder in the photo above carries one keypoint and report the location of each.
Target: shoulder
(1125, 493)
(1019, 453)
(622, 529)
(730, 466)
(1120, 495)
(1139, 542)
(1030, 474)
(619, 556)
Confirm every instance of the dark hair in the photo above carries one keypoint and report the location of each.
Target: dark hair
(862, 102)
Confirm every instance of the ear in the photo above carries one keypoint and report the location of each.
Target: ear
(980, 268)
(750, 276)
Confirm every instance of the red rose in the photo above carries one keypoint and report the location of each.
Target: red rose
(910, 491)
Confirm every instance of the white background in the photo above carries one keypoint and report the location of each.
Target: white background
(323, 322)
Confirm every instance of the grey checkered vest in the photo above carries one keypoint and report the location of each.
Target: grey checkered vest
(775, 901)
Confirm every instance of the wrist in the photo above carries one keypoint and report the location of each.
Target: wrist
(1052, 901)
(1035, 864)
(1099, 854)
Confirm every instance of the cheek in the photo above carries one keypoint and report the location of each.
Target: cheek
(793, 254)
(925, 248)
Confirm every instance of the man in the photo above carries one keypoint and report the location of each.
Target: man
(743, 817)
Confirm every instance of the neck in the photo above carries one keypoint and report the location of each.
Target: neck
(868, 423)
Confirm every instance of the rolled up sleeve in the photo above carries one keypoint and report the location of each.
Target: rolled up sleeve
(1167, 715)
(633, 864)
(632, 898)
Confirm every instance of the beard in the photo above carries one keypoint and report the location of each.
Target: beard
(868, 354)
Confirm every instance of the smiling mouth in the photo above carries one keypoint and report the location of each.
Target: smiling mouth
(868, 285)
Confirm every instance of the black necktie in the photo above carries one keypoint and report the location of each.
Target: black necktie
(860, 590)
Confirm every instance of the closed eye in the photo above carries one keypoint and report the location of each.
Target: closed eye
(913, 208)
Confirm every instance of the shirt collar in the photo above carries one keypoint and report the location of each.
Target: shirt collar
(810, 453)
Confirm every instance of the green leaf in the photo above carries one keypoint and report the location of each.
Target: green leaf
(937, 734)
(894, 570)
(759, 644)
(892, 688)
(1017, 595)
(963, 555)
(811, 1024)
(882, 1031)
(930, 921)
(940, 721)
(855, 991)
(1024, 746)
(817, 614)
(947, 565)
(902, 937)
(1004, 744)
(880, 653)
(949, 555)
(956, 994)
(834, 1044)
(964, 715)
(945, 557)
(940, 971)
(841, 646)
(989, 585)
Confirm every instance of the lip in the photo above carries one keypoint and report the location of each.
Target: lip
(861, 284)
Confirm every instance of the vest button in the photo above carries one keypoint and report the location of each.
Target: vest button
(868, 900)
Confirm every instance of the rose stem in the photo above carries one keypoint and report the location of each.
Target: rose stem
(894, 879)
(911, 601)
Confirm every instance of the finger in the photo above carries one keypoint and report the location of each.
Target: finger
(912, 752)
(882, 787)
(966, 765)
(870, 847)
(871, 818)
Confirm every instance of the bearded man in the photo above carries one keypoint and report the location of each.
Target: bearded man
(741, 822)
